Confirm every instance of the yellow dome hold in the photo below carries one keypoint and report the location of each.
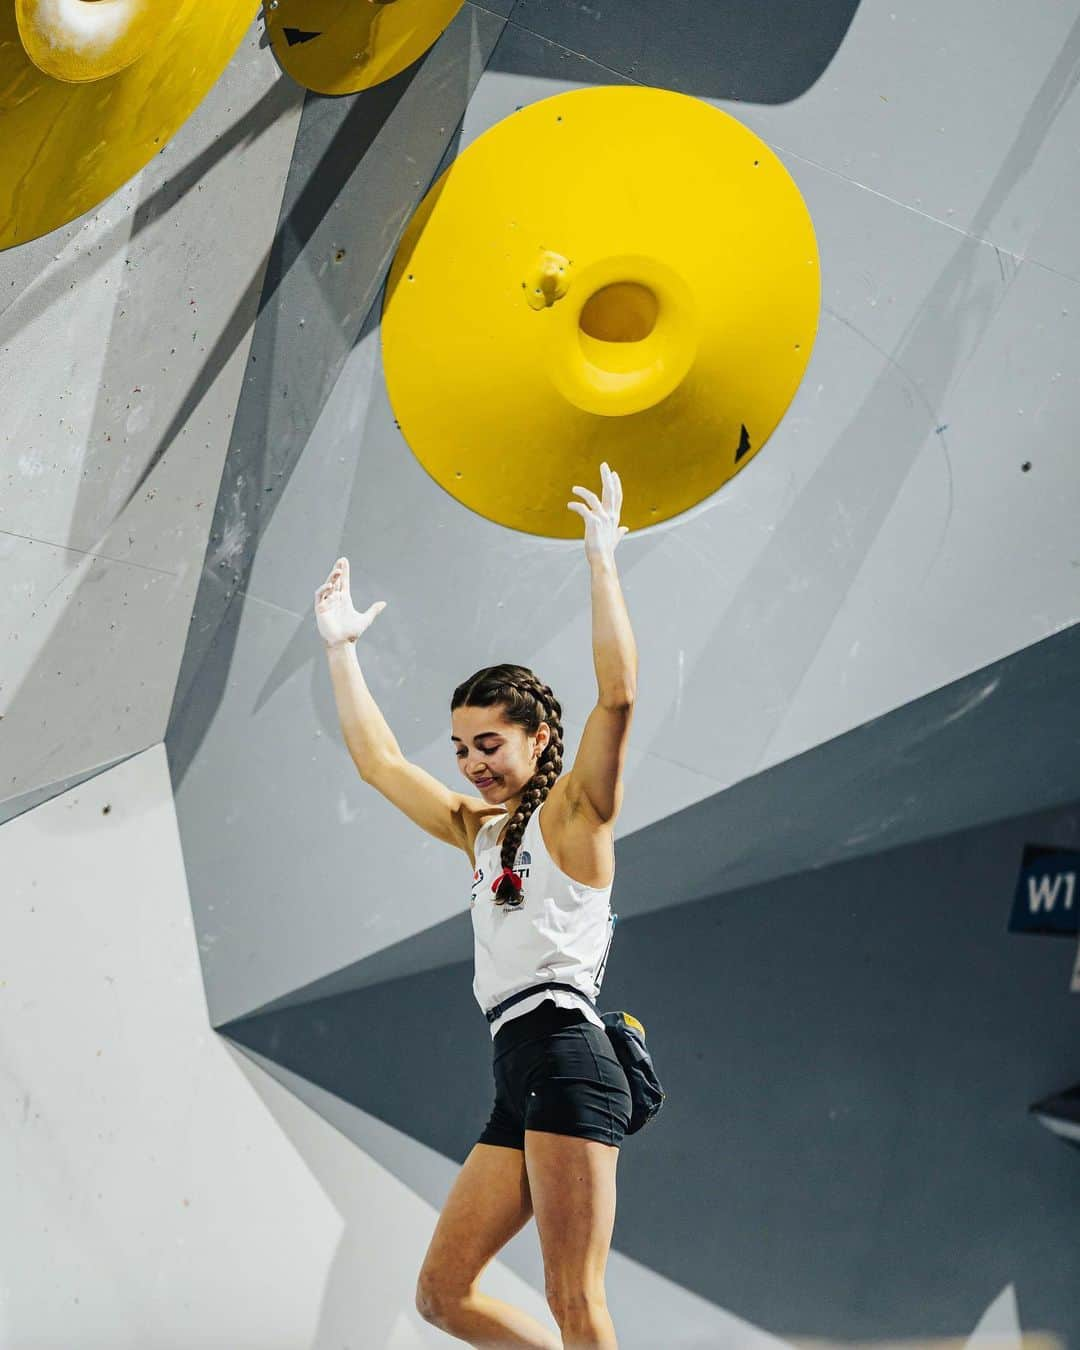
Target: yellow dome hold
(618, 273)
(343, 46)
(74, 41)
(86, 103)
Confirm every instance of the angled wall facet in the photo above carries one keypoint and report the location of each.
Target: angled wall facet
(124, 340)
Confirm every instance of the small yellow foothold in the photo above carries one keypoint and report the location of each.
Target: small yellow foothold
(549, 280)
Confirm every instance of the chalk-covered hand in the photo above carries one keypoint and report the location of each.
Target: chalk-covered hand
(335, 616)
(602, 528)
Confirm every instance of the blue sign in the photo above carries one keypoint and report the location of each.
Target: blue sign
(1046, 899)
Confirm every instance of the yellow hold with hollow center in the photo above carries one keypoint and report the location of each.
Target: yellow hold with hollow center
(650, 299)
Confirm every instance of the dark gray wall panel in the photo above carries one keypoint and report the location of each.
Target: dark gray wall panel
(768, 51)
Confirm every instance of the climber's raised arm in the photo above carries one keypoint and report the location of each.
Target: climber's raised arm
(372, 745)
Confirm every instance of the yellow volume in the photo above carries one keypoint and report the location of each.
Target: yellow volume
(616, 273)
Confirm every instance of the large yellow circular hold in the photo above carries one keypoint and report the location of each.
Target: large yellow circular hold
(343, 46)
(618, 273)
(107, 104)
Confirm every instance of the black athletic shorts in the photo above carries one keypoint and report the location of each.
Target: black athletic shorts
(556, 1071)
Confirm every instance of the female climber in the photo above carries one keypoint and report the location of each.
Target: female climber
(542, 848)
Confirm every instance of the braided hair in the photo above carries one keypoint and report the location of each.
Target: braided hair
(527, 702)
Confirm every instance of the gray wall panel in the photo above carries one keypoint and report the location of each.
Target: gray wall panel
(128, 340)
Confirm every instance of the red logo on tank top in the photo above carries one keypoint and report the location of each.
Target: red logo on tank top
(524, 861)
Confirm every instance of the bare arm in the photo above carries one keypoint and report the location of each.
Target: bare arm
(375, 752)
(373, 747)
(367, 734)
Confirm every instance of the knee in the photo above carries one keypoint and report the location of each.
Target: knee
(576, 1302)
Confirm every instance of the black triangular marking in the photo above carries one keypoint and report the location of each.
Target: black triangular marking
(744, 445)
(296, 35)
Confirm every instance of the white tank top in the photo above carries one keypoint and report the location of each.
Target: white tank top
(561, 930)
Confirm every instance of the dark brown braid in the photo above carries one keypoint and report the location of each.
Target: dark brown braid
(524, 700)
